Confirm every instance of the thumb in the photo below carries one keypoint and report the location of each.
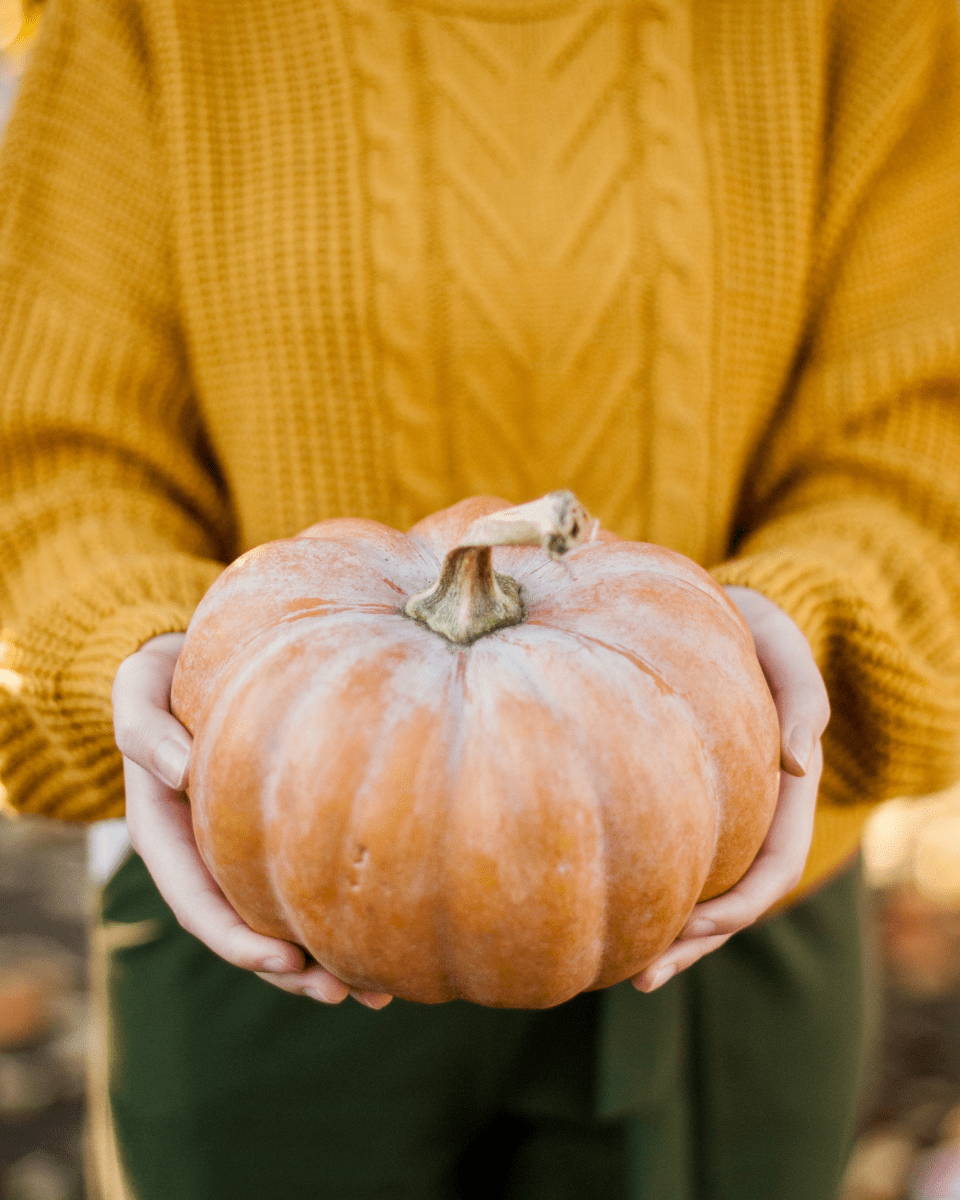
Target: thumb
(792, 674)
(144, 729)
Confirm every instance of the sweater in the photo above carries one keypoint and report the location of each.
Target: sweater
(263, 264)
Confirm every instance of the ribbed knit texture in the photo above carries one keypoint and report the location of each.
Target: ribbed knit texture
(262, 264)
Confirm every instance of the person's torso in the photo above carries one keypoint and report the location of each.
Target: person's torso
(436, 249)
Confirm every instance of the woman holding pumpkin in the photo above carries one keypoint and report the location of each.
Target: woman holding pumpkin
(263, 265)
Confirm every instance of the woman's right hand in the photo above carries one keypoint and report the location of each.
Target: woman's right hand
(156, 754)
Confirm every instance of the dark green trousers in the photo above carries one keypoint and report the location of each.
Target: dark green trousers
(736, 1081)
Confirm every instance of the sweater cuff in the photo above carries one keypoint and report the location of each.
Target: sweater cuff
(58, 756)
(804, 588)
(894, 704)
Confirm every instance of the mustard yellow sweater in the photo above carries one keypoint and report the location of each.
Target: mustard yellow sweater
(271, 261)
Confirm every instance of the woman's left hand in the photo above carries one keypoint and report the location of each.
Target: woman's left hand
(802, 706)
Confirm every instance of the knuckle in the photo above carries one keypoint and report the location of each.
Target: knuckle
(734, 916)
(750, 907)
(745, 914)
(143, 675)
(128, 733)
(192, 916)
(121, 683)
(814, 698)
(809, 706)
(235, 947)
(140, 737)
(129, 673)
(188, 924)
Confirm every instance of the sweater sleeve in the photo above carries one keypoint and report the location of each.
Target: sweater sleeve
(850, 519)
(113, 517)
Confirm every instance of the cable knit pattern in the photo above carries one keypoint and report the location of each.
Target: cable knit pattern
(403, 260)
(680, 328)
(264, 264)
(533, 149)
(528, 235)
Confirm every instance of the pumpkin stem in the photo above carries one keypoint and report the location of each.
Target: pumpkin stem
(470, 598)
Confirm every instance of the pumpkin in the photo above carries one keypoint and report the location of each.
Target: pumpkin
(498, 757)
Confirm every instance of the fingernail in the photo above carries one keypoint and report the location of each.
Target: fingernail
(659, 978)
(701, 927)
(171, 761)
(277, 965)
(662, 976)
(800, 747)
(369, 1001)
(316, 994)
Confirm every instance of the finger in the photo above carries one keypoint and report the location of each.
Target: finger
(797, 688)
(315, 982)
(374, 1000)
(680, 956)
(319, 984)
(144, 729)
(161, 832)
(791, 670)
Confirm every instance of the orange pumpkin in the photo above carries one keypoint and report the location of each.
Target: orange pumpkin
(510, 786)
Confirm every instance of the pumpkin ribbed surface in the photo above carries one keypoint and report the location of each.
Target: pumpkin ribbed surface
(511, 821)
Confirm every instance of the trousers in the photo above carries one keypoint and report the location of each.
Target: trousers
(737, 1080)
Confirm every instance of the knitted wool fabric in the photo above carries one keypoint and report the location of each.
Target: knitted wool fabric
(263, 264)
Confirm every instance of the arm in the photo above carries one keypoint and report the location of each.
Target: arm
(850, 515)
(113, 520)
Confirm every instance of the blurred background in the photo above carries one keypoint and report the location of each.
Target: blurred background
(909, 1142)
(43, 896)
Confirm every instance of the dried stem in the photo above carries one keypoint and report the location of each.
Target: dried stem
(470, 599)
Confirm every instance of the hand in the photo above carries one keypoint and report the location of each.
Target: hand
(802, 706)
(156, 751)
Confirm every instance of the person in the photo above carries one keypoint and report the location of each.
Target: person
(265, 264)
